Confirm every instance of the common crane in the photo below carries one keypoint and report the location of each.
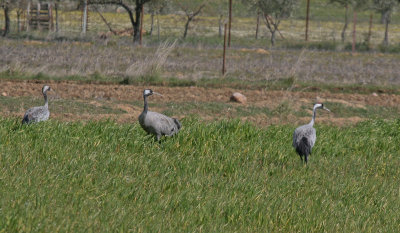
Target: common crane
(40, 113)
(156, 123)
(304, 136)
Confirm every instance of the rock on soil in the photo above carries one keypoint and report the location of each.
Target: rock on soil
(238, 97)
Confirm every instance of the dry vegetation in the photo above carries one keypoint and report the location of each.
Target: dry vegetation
(187, 62)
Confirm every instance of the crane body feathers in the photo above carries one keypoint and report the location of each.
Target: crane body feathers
(304, 136)
(156, 123)
(159, 124)
(40, 113)
(36, 114)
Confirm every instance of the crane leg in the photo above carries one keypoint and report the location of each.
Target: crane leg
(305, 159)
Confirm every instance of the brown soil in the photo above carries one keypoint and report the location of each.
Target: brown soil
(99, 93)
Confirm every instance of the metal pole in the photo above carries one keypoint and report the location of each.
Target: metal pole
(223, 57)
(230, 22)
(56, 8)
(258, 24)
(51, 18)
(28, 16)
(370, 28)
(141, 25)
(38, 17)
(353, 47)
(307, 18)
(84, 17)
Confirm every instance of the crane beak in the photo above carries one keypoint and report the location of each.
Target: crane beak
(157, 93)
(327, 109)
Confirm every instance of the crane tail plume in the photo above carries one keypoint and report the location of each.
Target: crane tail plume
(177, 123)
(304, 148)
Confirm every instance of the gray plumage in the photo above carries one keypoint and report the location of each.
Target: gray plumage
(40, 113)
(157, 123)
(304, 137)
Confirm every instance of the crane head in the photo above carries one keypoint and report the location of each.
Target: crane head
(149, 92)
(321, 106)
(45, 89)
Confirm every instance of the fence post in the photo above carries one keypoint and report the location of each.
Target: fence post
(141, 25)
(307, 18)
(38, 17)
(56, 8)
(28, 16)
(84, 16)
(224, 54)
(370, 28)
(230, 22)
(51, 17)
(258, 24)
(353, 46)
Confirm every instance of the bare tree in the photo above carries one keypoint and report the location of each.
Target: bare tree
(274, 11)
(385, 7)
(345, 4)
(134, 14)
(20, 7)
(155, 8)
(6, 8)
(192, 8)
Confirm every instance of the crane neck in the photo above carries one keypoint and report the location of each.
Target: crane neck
(145, 108)
(46, 103)
(313, 116)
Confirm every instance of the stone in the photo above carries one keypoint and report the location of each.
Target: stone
(239, 98)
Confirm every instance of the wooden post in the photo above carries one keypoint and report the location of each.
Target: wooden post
(353, 47)
(51, 17)
(56, 8)
(141, 25)
(38, 17)
(158, 28)
(370, 28)
(307, 18)
(28, 16)
(84, 16)
(18, 20)
(223, 57)
(258, 24)
(230, 22)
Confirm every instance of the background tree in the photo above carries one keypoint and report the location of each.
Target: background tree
(385, 7)
(220, 9)
(6, 8)
(274, 11)
(155, 8)
(357, 5)
(134, 14)
(191, 8)
(345, 4)
(20, 7)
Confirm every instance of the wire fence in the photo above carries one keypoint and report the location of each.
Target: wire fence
(325, 25)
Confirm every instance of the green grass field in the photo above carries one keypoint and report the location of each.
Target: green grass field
(224, 176)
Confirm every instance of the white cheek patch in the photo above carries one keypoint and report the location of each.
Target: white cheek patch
(146, 92)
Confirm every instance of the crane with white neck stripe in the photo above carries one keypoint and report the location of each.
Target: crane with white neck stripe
(304, 136)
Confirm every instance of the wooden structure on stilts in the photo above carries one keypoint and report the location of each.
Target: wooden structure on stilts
(39, 16)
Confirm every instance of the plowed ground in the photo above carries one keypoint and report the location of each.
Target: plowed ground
(127, 100)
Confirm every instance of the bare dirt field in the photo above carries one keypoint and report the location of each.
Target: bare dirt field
(123, 103)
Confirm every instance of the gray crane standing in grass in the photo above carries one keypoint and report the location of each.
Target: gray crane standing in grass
(304, 136)
(157, 123)
(40, 113)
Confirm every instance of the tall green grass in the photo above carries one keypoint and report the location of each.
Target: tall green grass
(212, 177)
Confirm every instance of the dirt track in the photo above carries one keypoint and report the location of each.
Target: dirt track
(121, 95)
